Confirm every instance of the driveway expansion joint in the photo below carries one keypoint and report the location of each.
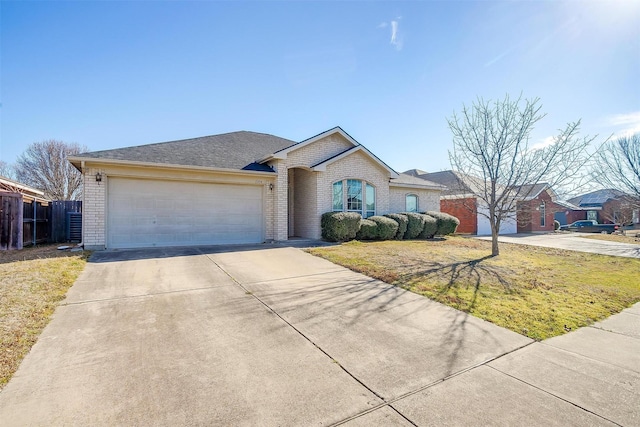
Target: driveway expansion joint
(613, 332)
(555, 396)
(126, 297)
(268, 307)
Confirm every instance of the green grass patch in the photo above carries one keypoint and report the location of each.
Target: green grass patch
(537, 292)
(32, 283)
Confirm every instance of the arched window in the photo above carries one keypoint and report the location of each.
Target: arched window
(354, 195)
(411, 203)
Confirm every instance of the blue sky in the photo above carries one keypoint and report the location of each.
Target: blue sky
(110, 74)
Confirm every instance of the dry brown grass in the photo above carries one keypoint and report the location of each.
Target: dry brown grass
(537, 292)
(32, 283)
(615, 238)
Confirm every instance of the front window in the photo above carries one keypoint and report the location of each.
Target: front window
(338, 203)
(543, 214)
(592, 215)
(411, 203)
(371, 201)
(354, 195)
(354, 199)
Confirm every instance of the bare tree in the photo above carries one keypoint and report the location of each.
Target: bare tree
(6, 170)
(44, 165)
(617, 165)
(491, 142)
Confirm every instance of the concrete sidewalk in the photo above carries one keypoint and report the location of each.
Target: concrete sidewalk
(572, 242)
(254, 336)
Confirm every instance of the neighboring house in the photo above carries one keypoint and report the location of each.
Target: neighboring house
(536, 208)
(240, 187)
(460, 200)
(608, 206)
(21, 207)
(567, 213)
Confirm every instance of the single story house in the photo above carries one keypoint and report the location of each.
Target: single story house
(459, 199)
(607, 206)
(536, 208)
(239, 187)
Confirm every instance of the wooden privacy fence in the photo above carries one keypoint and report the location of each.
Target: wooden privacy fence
(10, 221)
(35, 220)
(29, 222)
(66, 221)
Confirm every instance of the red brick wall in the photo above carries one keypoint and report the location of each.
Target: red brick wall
(529, 214)
(573, 216)
(465, 210)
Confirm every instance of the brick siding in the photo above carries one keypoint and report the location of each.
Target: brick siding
(466, 210)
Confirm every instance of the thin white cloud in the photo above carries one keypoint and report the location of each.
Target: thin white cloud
(383, 25)
(543, 143)
(626, 124)
(396, 37)
(498, 58)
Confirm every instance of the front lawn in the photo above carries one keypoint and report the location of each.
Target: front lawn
(32, 283)
(534, 291)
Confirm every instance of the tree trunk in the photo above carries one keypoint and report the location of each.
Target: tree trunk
(495, 250)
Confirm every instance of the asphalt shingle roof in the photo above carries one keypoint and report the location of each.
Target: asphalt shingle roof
(596, 198)
(235, 150)
(405, 178)
(455, 182)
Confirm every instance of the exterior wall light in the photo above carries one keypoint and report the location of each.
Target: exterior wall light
(98, 177)
(271, 187)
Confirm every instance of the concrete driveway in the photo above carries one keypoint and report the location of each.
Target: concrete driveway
(276, 337)
(572, 242)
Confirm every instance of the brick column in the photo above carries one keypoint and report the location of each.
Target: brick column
(94, 209)
(281, 208)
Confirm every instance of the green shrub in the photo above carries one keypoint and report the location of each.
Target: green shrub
(387, 227)
(430, 227)
(368, 230)
(447, 224)
(556, 224)
(402, 221)
(340, 226)
(415, 225)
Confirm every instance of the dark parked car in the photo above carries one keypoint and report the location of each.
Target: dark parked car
(590, 226)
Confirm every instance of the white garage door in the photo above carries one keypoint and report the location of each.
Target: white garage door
(150, 213)
(509, 224)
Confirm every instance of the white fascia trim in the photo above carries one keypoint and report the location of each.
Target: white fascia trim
(459, 196)
(96, 162)
(427, 187)
(18, 186)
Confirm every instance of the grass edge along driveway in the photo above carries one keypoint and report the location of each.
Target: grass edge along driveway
(33, 281)
(534, 291)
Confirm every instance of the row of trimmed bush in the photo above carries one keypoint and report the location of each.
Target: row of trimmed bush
(344, 226)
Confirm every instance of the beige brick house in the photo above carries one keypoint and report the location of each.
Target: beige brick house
(240, 187)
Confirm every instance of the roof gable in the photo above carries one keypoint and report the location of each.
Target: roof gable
(322, 166)
(282, 153)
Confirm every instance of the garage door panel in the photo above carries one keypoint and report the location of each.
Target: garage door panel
(147, 213)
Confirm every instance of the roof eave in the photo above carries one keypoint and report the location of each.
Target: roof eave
(34, 192)
(110, 162)
(406, 185)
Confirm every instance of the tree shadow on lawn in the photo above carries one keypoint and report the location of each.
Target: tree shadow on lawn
(464, 274)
